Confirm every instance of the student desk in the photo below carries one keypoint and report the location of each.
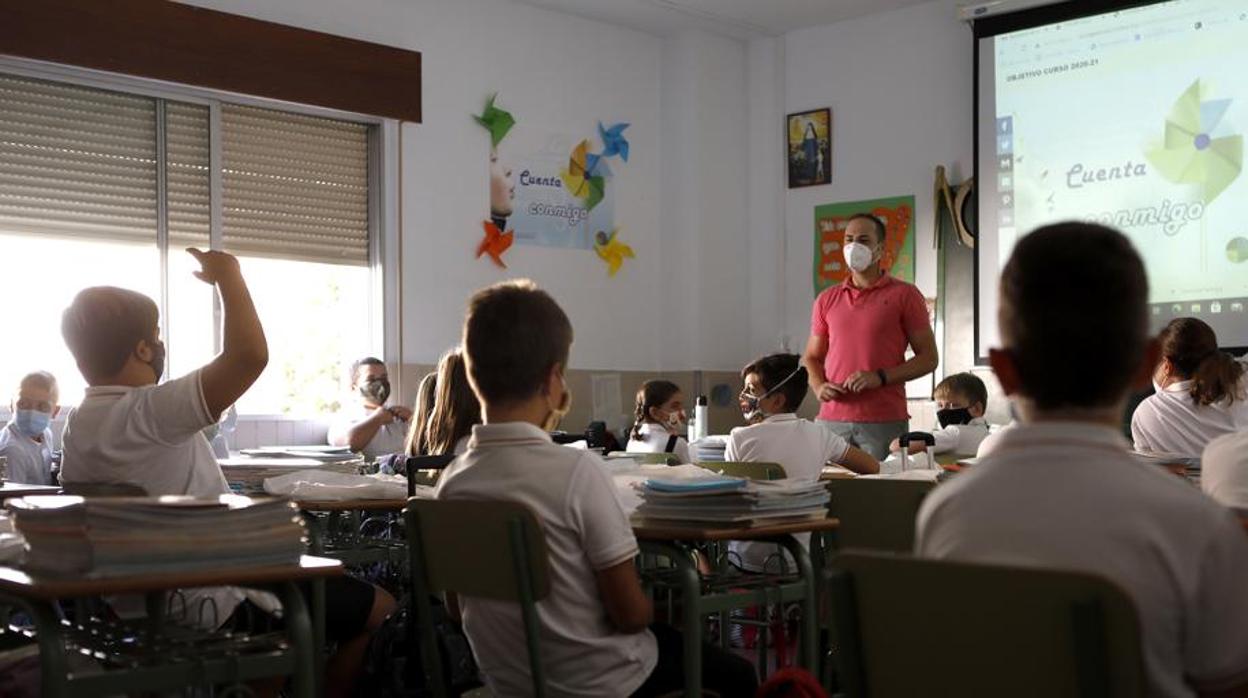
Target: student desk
(12, 490)
(669, 539)
(164, 658)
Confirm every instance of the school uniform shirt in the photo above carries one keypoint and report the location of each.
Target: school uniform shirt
(654, 438)
(150, 436)
(574, 500)
(1170, 421)
(390, 438)
(802, 447)
(962, 439)
(1224, 470)
(29, 461)
(1070, 496)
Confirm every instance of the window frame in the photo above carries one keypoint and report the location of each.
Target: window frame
(385, 142)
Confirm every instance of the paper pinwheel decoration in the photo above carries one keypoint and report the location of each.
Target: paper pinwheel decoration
(1195, 148)
(497, 121)
(495, 243)
(611, 250)
(613, 141)
(580, 182)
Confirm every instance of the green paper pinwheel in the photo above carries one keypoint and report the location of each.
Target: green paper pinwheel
(497, 121)
(1195, 149)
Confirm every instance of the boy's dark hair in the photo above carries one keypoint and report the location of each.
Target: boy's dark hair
(967, 385)
(102, 326)
(1073, 314)
(361, 363)
(1192, 348)
(514, 334)
(651, 394)
(880, 230)
(773, 369)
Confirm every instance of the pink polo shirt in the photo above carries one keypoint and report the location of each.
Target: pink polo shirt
(867, 329)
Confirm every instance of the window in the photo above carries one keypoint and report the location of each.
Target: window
(99, 187)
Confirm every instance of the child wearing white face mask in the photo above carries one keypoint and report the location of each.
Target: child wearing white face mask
(26, 442)
(659, 418)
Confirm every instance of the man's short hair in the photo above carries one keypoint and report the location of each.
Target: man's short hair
(963, 385)
(514, 334)
(1073, 314)
(881, 231)
(361, 363)
(773, 369)
(102, 326)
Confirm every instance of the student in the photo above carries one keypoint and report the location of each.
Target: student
(961, 400)
(659, 417)
(1200, 393)
(27, 439)
(595, 640)
(1063, 491)
(130, 430)
(417, 434)
(774, 389)
(369, 426)
(1224, 470)
(455, 410)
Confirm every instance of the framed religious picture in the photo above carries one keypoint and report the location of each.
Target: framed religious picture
(810, 148)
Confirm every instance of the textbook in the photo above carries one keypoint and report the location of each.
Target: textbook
(730, 500)
(131, 535)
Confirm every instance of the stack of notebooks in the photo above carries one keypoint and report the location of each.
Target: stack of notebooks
(732, 501)
(709, 449)
(246, 474)
(103, 536)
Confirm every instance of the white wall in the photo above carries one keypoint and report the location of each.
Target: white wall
(899, 85)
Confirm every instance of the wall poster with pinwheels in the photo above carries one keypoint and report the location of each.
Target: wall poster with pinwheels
(557, 194)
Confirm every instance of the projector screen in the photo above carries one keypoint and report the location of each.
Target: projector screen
(1131, 118)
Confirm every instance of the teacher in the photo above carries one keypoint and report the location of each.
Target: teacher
(856, 355)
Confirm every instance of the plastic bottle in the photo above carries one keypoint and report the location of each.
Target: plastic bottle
(699, 412)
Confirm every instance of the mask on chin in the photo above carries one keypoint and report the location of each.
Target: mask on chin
(952, 416)
(376, 390)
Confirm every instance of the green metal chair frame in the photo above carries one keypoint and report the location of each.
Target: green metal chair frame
(749, 471)
(981, 630)
(876, 514)
(508, 563)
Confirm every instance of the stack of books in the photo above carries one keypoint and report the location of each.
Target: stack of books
(709, 449)
(103, 536)
(732, 501)
(246, 474)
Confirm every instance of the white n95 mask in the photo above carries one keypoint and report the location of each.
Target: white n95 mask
(858, 256)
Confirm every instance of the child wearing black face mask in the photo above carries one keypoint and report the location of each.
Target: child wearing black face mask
(371, 427)
(960, 403)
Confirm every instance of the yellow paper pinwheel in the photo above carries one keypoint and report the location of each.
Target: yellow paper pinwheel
(580, 182)
(612, 251)
(1194, 149)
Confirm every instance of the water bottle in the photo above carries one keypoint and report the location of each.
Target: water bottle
(699, 411)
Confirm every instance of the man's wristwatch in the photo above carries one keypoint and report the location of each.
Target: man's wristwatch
(883, 376)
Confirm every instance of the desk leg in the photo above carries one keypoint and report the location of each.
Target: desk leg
(156, 603)
(53, 664)
(810, 623)
(316, 546)
(690, 597)
(299, 633)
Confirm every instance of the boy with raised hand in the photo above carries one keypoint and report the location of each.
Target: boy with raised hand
(131, 430)
(775, 387)
(26, 442)
(1062, 490)
(595, 639)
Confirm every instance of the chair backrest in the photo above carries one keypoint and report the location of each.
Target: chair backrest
(103, 489)
(876, 514)
(412, 465)
(749, 471)
(908, 627)
(484, 549)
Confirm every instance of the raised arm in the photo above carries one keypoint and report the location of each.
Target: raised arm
(245, 352)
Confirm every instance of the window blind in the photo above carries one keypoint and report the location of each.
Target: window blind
(188, 181)
(76, 161)
(294, 186)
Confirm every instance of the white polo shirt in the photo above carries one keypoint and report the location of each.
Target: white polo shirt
(962, 439)
(654, 438)
(586, 530)
(802, 447)
(1170, 421)
(151, 436)
(390, 438)
(1224, 470)
(1070, 496)
(29, 461)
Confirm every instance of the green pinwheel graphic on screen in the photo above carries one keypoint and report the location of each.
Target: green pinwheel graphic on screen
(1196, 149)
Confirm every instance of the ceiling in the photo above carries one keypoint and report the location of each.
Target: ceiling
(737, 18)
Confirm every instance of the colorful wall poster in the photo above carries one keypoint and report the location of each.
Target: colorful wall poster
(544, 212)
(897, 212)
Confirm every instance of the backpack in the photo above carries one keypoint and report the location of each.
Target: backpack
(393, 669)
